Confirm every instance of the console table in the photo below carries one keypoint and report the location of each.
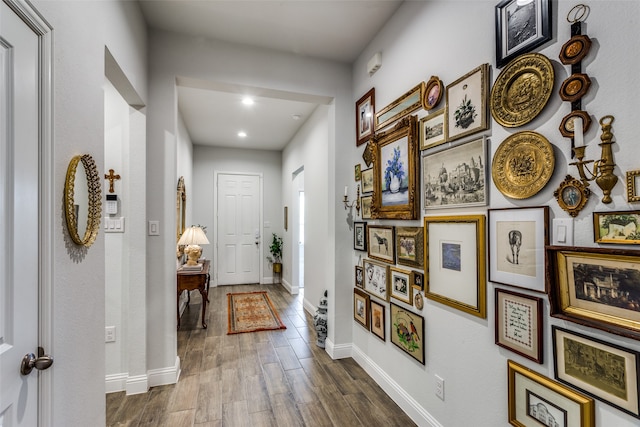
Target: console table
(192, 280)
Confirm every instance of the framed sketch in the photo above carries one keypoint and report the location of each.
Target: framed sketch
(376, 279)
(360, 236)
(410, 246)
(357, 172)
(596, 287)
(367, 180)
(378, 320)
(456, 177)
(361, 308)
(381, 241)
(359, 281)
(520, 28)
(400, 285)
(395, 172)
(466, 106)
(417, 280)
(432, 130)
(605, 371)
(365, 206)
(517, 238)
(519, 323)
(620, 227)
(455, 262)
(432, 93)
(633, 186)
(535, 400)
(406, 104)
(407, 331)
(365, 112)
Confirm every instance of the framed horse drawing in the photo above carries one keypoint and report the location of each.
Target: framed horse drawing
(382, 245)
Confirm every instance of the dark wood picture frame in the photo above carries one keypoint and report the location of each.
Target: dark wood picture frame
(378, 321)
(361, 301)
(365, 115)
(360, 235)
(519, 325)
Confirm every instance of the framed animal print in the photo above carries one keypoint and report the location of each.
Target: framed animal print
(407, 331)
(381, 239)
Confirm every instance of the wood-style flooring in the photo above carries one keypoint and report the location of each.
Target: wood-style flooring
(270, 378)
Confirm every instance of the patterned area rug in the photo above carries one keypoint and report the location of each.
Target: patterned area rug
(251, 312)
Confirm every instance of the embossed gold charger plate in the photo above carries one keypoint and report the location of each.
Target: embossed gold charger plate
(522, 165)
(522, 90)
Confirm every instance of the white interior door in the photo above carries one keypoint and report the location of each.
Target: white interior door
(238, 207)
(19, 219)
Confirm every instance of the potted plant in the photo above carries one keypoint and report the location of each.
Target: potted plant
(276, 253)
(465, 114)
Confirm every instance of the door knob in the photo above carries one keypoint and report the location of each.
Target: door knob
(30, 361)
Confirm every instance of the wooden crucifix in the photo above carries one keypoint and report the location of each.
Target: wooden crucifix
(111, 177)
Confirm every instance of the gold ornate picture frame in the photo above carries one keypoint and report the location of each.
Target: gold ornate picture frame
(572, 195)
(633, 186)
(406, 104)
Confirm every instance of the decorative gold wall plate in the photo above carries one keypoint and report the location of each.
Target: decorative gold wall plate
(522, 90)
(572, 195)
(566, 126)
(522, 165)
(575, 87)
(575, 49)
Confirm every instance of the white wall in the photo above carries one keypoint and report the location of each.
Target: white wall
(185, 169)
(81, 31)
(448, 39)
(209, 160)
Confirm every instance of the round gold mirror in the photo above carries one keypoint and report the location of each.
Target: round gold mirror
(82, 198)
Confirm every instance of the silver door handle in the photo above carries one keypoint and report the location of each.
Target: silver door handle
(30, 361)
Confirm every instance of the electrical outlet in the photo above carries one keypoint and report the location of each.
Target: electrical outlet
(110, 334)
(439, 387)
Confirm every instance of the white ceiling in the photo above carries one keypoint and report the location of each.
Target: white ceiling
(336, 30)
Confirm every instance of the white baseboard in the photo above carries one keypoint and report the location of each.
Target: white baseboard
(293, 290)
(408, 404)
(308, 307)
(115, 382)
(123, 382)
(341, 351)
(164, 376)
(137, 384)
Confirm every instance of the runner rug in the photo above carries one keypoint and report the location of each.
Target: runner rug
(251, 312)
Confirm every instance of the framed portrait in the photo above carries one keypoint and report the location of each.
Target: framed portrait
(517, 238)
(432, 93)
(406, 104)
(365, 113)
(365, 206)
(456, 177)
(417, 280)
(400, 285)
(382, 245)
(620, 227)
(357, 172)
(367, 180)
(410, 246)
(633, 186)
(378, 320)
(605, 371)
(359, 236)
(407, 331)
(466, 108)
(361, 308)
(376, 279)
(359, 280)
(432, 130)
(455, 262)
(535, 400)
(595, 287)
(520, 28)
(519, 323)
(395, 172)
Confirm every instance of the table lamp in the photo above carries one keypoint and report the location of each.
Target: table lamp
(193, 237)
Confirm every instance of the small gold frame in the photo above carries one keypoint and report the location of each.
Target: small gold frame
(432, 93)
(572, 195)
(633, 193)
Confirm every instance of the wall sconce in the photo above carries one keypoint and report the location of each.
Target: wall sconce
(356, 202)
(602, 168)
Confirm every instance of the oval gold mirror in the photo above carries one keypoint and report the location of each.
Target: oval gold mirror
(82, 198)
(181, 208)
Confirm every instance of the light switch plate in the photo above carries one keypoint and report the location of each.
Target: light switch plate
(154, 228)
(563, 231)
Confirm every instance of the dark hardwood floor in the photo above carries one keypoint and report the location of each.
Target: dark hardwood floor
(271, 378)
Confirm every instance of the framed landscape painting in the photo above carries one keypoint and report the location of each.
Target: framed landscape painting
(367, 180)
(605, 371)
(621, 227)
(407, 332)
(432, 130)
(517, 238)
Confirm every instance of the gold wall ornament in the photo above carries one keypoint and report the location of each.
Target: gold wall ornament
(181, 207)
(575, 87)
(603, 168)
(572, 195)
(522, 90)
(575, 49)
(633, 190)
(111, 177)
(89, 198)
(522, 165)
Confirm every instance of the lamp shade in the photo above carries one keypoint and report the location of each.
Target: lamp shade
(193, 236)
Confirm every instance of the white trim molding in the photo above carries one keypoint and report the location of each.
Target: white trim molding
(137, 384)
(164, 376)
(341, 351)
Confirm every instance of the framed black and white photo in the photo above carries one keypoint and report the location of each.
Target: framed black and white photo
(359, 282)
(360, 236)
(521, 26)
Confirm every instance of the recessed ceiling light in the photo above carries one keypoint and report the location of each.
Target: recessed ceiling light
(247, 100)
(242, 134)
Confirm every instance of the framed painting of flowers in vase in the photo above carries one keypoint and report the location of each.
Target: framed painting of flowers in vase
(395, 171)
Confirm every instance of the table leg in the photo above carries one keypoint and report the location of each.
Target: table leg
(178, 308)
(205, 298)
